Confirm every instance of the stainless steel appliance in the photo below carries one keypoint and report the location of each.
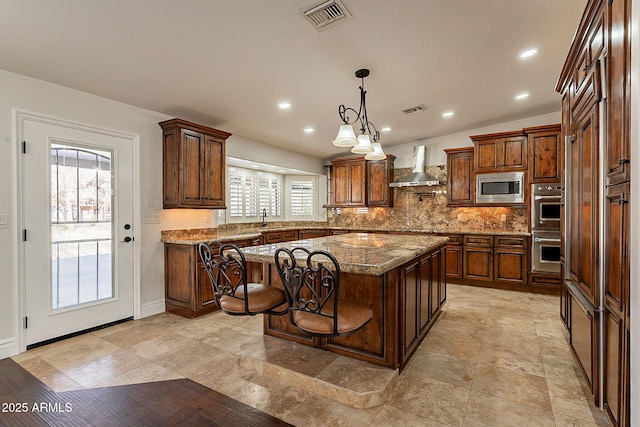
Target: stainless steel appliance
(546, 200)
(501, 188)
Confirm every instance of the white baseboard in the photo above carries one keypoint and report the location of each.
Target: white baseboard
(8, 347)
(151, 308)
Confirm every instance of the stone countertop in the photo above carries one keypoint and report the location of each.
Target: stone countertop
(360, 253)
(188, 237)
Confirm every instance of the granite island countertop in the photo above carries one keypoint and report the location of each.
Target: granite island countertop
(360, 253)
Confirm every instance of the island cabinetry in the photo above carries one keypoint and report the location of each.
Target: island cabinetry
(500, 152)
(460, 185)
(422, 295)
(379, 175)
(545, 149)
(193, 165)
(188, 291)
(477, 259)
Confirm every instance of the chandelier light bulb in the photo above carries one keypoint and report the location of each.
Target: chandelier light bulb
(346, 137)
(363, 146)
(377, 153)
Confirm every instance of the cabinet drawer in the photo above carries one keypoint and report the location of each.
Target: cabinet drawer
(273, 237)
(454, 240)
(289, 235)
(477, 240)
(511, 242)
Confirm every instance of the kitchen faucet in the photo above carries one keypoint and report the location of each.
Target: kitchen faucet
(264, 217)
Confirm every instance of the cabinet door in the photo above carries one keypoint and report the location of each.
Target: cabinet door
(213, 178)
(357, 183)
(426, 292)
(478, 263)
(340, 184)
(544, 155)
(409, 301)
(379, 176)
(487, 155)
(613, 365)
(510, 266)
(191, 168)
(170, 167)
(460, 185)
(512, 153)
(582, 192)
(204, 288)
(618, 108)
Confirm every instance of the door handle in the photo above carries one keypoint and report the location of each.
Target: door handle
(540, 239)
(127, 239)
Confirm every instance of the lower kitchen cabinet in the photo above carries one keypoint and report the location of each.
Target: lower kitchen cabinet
(187, 287)
(279, 236)
(454, 257)
(422, 296)
(510, 259)
(477, 259)
(312, 233)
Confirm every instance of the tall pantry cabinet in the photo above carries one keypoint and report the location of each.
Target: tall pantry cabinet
(595, 300)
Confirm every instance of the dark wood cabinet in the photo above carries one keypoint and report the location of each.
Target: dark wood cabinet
(477, 259)
(279, 236)
(453, 267)
(187, 287)
(460, 177)
(598, 269)
(545, 148)
(510, 259)
(356, 182)
(348, 182)
(422, 295)
(193, 165)
(312, 233)
(500, 152)
(379, 176)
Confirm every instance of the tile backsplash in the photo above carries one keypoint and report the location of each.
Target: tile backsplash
(426, 208)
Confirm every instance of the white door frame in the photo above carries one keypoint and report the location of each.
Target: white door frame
(20, 118)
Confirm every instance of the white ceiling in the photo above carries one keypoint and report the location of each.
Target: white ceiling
(229, 63)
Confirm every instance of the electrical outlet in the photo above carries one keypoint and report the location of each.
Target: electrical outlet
(4, 221)
(152, 218)
(503, 218)
(459, 217)
(148, 202)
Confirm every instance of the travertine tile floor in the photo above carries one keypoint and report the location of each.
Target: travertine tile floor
(494, 358)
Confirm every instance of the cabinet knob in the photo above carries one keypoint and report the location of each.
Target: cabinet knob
(622, 161)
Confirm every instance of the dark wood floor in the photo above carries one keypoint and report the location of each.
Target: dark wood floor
(164, 403)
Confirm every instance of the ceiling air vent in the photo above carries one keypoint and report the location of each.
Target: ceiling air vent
(325, 13)
(417, 109)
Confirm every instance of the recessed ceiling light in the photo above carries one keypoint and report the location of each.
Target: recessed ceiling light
(386, 129)
(284, 105)
(447, 114)
(308, 130)
(528, 53)
(522, 96)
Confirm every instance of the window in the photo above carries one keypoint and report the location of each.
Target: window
(251, 192)
(302, 197)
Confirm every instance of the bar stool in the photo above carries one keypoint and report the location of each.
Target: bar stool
(312, 293)
(227, 270)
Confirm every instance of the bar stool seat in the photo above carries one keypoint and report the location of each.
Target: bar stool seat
(351, 317)
(260, 298)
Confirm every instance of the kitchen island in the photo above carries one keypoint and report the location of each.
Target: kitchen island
(400, 277)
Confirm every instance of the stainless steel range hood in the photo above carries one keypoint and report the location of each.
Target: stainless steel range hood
(417, 176)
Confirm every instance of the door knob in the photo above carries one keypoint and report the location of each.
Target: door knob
(128, 239)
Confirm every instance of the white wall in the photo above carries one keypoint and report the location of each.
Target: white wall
(435, 155)
(30, 95)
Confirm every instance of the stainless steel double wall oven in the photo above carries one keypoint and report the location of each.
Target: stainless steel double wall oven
(546, 200)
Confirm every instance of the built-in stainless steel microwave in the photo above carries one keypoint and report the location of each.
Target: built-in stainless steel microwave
(507, 187)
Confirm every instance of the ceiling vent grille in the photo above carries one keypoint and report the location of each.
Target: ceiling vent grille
(417, 109)
(323, 14)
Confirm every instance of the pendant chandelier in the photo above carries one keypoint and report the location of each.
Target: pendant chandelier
(367, 142)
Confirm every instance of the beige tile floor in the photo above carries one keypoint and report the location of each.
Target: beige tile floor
(494, 358)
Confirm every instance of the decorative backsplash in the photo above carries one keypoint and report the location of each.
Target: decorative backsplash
(425, 208)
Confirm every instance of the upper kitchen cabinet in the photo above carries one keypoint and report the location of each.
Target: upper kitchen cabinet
(379, 175)
(356, 182)
(545, 148)
(193, 165)
(460, 180)
(500, 152)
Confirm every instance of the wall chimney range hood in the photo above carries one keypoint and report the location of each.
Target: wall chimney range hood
(417, 176)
